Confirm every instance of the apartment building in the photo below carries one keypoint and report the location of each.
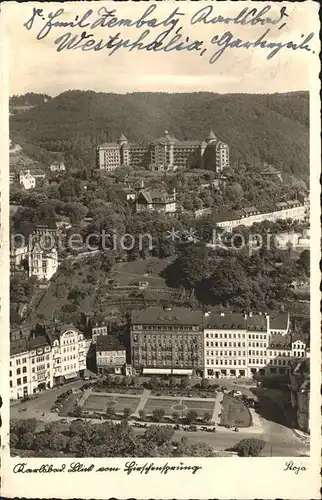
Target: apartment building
(110, 355)
(241, 345)
(167, 341)
(30, 366)
(292, 209)
(68, 352)
(165, 153)
(48, 356)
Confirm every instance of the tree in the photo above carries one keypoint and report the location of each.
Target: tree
(184, 382)
(304, 262)
(127, 381)
(56, 442)
(158, 414)
(175, 416)
(26, 426)
(204, 383)
(41, 441)
(26, 441)
(159, 435)
(136, 382)
(191, 417)
(207, 416)
(110, 412)
(249, 447)
(126, 413)
(142, 414)
(14, 439)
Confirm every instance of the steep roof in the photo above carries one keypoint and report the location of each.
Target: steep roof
(211, 135)
(122, 138)
(279, 321)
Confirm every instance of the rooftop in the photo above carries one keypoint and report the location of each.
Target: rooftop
(160, 316)
(108, 343)
(279, 321)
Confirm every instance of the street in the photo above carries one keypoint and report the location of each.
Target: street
(277, 432)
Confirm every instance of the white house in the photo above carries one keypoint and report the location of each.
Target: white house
(27, 180)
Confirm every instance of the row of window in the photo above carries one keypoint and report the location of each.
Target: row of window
(225, 344)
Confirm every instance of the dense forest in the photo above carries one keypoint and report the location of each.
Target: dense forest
(273, 128)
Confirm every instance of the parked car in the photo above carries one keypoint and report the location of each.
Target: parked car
(192, 428)
(63, 421)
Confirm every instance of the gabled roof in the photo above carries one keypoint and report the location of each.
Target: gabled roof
(122, 138)
(212, 136)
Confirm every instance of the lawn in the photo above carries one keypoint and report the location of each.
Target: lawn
(143, 270)
(97, 402)
(234, 413)
(182, 406)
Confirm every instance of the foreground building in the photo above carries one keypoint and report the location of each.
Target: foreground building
(110, 355)
(164, 154)
(213, 345)
(167, 341)
(48, 356)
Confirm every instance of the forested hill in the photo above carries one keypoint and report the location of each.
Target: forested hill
(271, 127)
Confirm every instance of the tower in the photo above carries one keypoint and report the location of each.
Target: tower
(211, 137)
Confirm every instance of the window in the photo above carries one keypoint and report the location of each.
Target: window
(18, 361)
(10, 384)
(18, 371)
(24, 369)
(10, 373)
(18, 381)
(24, 360)
(24, 380)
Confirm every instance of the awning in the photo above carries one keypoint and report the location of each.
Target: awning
(68, 376)
(181, 372)
(160, 371)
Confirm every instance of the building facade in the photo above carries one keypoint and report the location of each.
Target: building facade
(57, 166)
(299, 372)
(167, 341)
(292, 209)
(110, 355)
(164, 154)
(242, 345)
(48, 356)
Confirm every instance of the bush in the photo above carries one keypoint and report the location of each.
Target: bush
(249, 447)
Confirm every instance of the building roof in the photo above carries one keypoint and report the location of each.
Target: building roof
(279, 321)
(154, 196)
(108, 343)
(107, 145)
(236, 321)
(40, 341)
(163, 316)
(211, 136)
(18, 346)
(122, 138)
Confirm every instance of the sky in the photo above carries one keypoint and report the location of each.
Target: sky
(36, 66)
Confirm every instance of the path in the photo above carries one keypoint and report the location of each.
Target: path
(142, 402)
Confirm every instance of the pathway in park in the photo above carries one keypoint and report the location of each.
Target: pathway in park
(142, 403)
